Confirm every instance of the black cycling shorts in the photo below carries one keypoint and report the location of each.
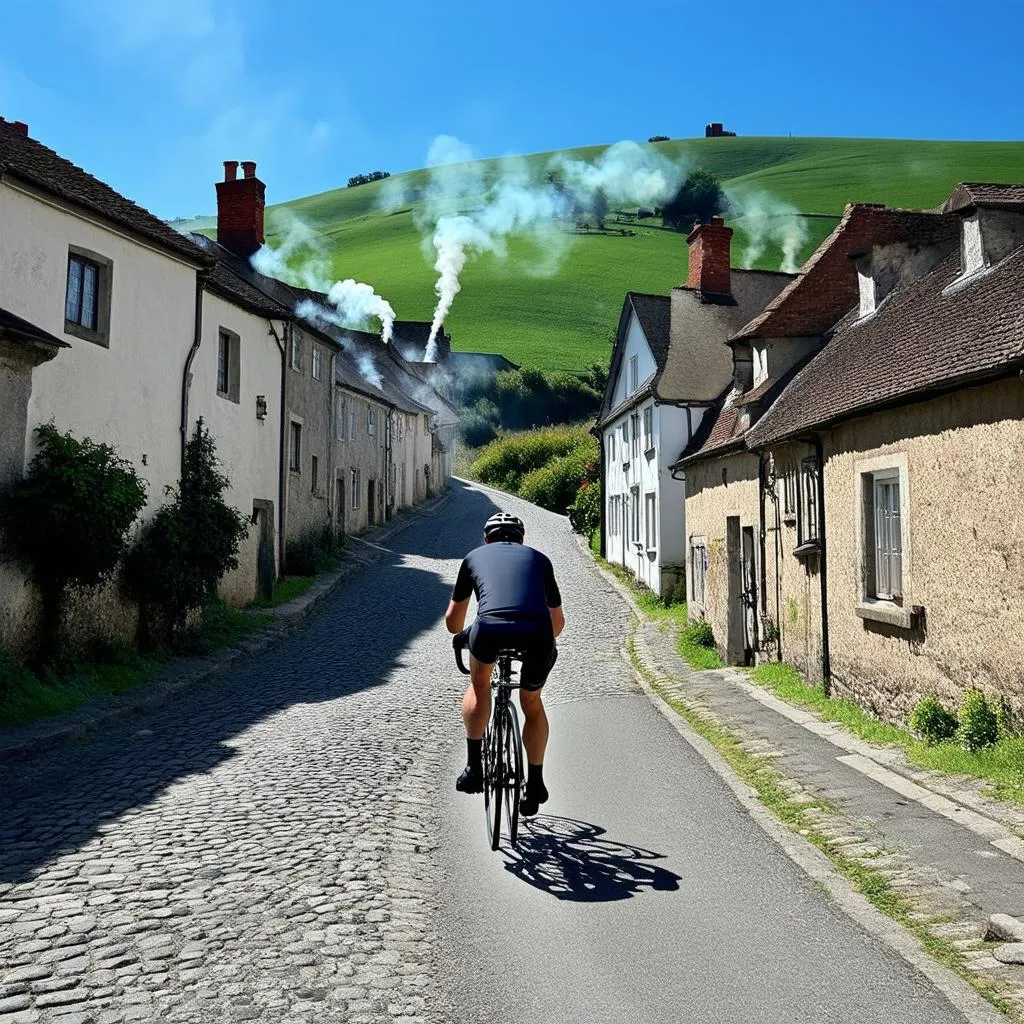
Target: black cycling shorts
(533, 638)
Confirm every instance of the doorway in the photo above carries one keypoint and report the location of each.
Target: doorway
(371, 504)
(263, 518)
(749, 596)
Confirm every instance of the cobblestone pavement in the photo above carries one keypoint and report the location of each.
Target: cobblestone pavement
(266, 848)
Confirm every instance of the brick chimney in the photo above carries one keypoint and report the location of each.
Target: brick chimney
(240, 204)
(709, 257)
(18, 127)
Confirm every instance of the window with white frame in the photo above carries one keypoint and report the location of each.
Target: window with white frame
(228, 352)
(634, 506)
(883, 535)
(339, 417)
(649, 429)
(296, 359)
(634, 429)
(355, 487)
(807, 498)
(634, 374)
(611, 445)
(698, 570)
(315, 362)
(614, 514)
(651, 520)
(371, 420)
(625, 441)
(295, 448)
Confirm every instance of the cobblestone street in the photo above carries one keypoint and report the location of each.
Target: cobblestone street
(262, 850)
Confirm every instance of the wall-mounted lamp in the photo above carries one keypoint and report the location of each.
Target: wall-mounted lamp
(261, 407)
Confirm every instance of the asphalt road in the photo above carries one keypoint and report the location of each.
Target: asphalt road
(285, 844)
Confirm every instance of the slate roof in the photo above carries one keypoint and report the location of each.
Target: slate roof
(22, 330)
(655, 315)
(970, 194)
(826, 285)
(935, 334)
(37, 165)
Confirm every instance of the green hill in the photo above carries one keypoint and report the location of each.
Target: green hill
(565, 320)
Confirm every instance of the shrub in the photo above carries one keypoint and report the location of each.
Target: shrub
(67, 522)
(555, 485)
(932, 721)
(700, 634)
(312, 553)
(676, 596)
(700, 197)
(479, 425)
(979, 724)
(531, 398)
(191, 542)
(505, 461)
(585, 511)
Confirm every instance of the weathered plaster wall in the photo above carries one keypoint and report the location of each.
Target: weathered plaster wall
(965, 561)
(363, 451)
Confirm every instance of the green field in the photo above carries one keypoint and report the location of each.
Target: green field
(566, 320)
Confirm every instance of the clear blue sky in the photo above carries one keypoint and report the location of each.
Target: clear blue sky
(152, 95)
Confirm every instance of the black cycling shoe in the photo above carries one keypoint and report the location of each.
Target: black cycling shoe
(529, 802)
(470, 781)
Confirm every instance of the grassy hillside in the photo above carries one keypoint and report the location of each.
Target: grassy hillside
(565, 320)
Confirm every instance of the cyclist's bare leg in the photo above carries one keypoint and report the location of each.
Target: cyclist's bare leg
(535, 725)
(476, 704)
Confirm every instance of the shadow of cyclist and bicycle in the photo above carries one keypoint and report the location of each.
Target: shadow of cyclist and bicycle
(572, 861)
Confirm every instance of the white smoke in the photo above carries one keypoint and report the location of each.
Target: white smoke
(318, 313)
(368, 370)
(768, 220)
(356, 303)
(626, 172)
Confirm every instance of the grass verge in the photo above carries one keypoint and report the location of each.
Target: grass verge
(26, 696)
(1001, 765)
(802, 818)
(284, 590)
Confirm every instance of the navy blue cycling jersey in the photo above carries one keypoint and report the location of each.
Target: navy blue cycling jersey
(511, 581)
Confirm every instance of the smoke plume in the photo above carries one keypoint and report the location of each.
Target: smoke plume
(356, 303)
(318, 313)
(767, 220)
(626, 172)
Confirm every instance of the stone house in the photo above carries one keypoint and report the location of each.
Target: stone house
(668, 366)
(875, 479)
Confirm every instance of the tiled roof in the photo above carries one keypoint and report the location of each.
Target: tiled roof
(719, 431)
(936, 333)
(225, 281)
(32, 162)
(22, 330)
(969, 194)
(826, 286)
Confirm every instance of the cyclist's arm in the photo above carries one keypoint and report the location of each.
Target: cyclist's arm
(455, 617)
(557, 620)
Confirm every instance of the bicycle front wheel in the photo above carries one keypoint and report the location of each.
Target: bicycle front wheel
(513, 772)
(493, 781)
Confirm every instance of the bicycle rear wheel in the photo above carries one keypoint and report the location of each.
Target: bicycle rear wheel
(513, 772)
(493, 781)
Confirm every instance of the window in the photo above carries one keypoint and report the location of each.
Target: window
(352, 420)
(87, 298)
(611, 446)
(296, 352)
(883, 536)
(314, 473)
(625, 442)
(339, 417)
(614, 515)
(634, 430)
(315, 363)
(371, 420)
(634, 526)
(228, 348)
(651, 519)
(81, 305)
(295, 448)
(807, 515)
(634, 374)
(698, 570)
(354, 488)
(649, 429)
(789, 485)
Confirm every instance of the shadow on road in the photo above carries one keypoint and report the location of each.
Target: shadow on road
(570, 860)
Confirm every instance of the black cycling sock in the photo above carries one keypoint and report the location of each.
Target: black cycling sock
(535, 779)
(474, 759)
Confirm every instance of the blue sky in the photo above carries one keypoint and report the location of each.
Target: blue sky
(151, 96)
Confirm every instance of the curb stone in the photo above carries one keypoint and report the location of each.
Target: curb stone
(20, 743)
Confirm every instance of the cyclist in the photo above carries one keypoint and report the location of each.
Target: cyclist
(518, 605)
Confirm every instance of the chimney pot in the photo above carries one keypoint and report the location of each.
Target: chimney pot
(240, 208)
(230, 170)
(249, 168)
(709, 257)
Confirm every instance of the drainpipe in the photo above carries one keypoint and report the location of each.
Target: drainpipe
(282, 476)
(186, 377)
(826, 661)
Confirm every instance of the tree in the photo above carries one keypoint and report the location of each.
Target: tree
(67, 522)
(190, 544)
(699, 198)
(599, 207)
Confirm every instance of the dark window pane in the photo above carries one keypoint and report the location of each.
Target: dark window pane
(222, 363)
(90, 282)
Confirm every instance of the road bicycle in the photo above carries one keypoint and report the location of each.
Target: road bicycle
(502, 747)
